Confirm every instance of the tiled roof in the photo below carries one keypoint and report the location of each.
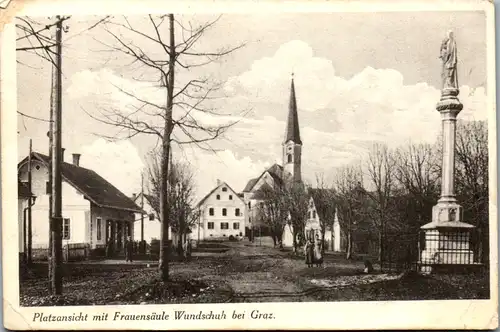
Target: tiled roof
(93, 186)
(276, 172)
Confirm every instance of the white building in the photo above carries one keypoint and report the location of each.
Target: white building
(152, 224)
(94, 211)
(222, 214)
(23, 195)
(322, 215)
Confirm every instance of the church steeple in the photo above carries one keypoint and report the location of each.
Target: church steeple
(292, 132)
(292, 144)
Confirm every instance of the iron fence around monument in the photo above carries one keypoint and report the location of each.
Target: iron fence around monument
(400, 252)
(403, 251)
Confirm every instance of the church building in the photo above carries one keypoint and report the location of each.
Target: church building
(276, 175)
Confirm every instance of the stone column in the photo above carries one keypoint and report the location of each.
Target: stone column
(447, 236)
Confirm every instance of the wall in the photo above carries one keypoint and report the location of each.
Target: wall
(218, 218)
(21, 204)
(74, 207)
(152, 228)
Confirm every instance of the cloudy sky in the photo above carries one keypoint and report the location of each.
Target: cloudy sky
(359, 77)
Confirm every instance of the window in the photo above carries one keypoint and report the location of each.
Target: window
(314, 214)
(99, 229)
(211, 211)
(224, 225)
(218, 197)
(224, 189)
(66, 229)
(237, 212)
(289, 158)
(230, 197)
(224, 212)
(236, 225)
(249, 205)
(210, 225)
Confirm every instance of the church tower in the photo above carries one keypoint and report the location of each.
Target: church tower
(292, 145)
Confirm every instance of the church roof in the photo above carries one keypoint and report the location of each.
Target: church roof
(93, 186)
(292, 132)
(276, 172)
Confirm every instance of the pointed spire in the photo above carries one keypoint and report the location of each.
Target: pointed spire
(292, 132)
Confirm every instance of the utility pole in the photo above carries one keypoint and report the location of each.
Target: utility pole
(142, 245)
(30, 227)
(55, 263)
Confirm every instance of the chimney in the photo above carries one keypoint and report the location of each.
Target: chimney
(219, 182)
(62, 154)
(76, 159)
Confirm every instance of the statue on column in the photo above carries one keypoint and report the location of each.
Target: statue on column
(449, 57)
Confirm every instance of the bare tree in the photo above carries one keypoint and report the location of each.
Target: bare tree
(349, 195)
(380, 166)
(417, 174)
(471, 176)
(157, 57)
(298, 203)
(181, 195)
(273, 209)
(326, 207)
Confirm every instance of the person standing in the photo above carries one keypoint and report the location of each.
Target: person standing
(318, 254)
(308, 253)
(129, 248)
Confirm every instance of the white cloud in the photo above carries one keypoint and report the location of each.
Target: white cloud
(117, 162)
(339, 117)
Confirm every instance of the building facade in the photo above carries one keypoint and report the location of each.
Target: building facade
(94, 211)
(222, 214)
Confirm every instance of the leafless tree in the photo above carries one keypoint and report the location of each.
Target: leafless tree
(417, 175)
(350, 198)
(178, 116)
(273, 209)
(380, 167)
(326, 207)
(471, 176)
(181, 194)
(297, 198)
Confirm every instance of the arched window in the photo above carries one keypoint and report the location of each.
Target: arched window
(224, 212)
(289, 156)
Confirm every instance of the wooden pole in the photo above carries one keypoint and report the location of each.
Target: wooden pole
(30, 227)
(56, 185)
(142, 208)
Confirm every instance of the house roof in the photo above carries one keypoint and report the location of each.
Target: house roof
(292, 132)
(23, 190)
(93, 186)
(222, 184)
(276, 172)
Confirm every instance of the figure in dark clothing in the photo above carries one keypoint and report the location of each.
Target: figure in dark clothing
(309, 253)
(109, 248)
(129, 248)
